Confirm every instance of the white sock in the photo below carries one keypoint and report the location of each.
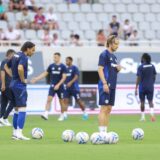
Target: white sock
(46, 112)
(102, 129)
(14, 131)
(143, 115)
(85, 113)
(152, 111)
(65, 114)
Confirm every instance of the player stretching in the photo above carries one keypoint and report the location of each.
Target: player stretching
(72, 86)
(107, 70)
(57, 74)
(19, 67)
(6, 106)
(146, 75)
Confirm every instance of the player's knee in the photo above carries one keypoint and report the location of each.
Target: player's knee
(22, 109)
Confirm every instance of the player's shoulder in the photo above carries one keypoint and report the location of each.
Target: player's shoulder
(63, 65)
(74, 67)
(105, 53)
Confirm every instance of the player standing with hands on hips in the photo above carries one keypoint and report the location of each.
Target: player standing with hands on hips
(107, 70)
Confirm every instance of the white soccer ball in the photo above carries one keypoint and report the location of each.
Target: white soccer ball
(111, 138)
(37, 133)
(97, 138)
(137, 134)
(82, 137)
(68, 135)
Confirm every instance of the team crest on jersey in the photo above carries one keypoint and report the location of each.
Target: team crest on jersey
(53, 68)
(59, 68)
(70, 70)
(111, 59)
(106, 101)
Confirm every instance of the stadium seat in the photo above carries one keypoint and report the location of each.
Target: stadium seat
(144, 26)
(30, 34)
(150, 1)
(68, 17)
(144, 8)
(125, 16)
(65, 34)
(3, 24)
(80, 33)
(91, 17)
(57, 32)
(74, 8)
(138, 17)
(73, 26)
(138, 1)
(57, 1)
(132, 8)
(79, 17)
(18, 16)
(84, 26)
(158, 17)
(120, 8)
(103, 17)
(97, 8)
(96, 25)
(158, 35)
(62, 8)
(127, 1)
(90, 35)
(150, 35)
(155, 8)
(85, 8)
(40, 34)
(11, 16)
(114, 1)
(104, 1)
(32, 14)
(150, 17)
(62, 25)
(109, 8)
(155, 26)
(45, 1)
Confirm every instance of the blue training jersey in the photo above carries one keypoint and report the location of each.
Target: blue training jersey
(71, 72)
(55, 72)
(147, 73)
(7, 77)
(109, 62)
(18, 59)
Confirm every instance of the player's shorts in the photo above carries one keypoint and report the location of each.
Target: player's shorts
(107, 98)
(146, 93)
(72, 92)
(59, 92)
(19, 94)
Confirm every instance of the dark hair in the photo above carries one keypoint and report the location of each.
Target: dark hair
(9, 52)
(114, 16)
(57, 54)
(27, 45)
(70, 58)
(110, 40)
(76, 36)
(146, 58)
(100, 31)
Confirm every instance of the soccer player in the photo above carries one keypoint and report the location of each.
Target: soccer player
(146, 75)
(57, 74)
(72, 86)
(6, 106)
(19, 67)
(107, 70)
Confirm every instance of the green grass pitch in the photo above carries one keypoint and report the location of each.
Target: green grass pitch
(51, 147)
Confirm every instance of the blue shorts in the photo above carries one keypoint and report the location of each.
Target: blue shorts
(18, 94)
(146, 93)
(59, 92)
(72, 92)
(106, 98)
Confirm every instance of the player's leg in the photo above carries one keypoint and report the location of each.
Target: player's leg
(51, 94)
(142, 105)
(151, 105)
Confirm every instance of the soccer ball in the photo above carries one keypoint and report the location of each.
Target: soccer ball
(82, 137)
(111, 138)
(37, 133)
(137, 134)
(68, 135)
(97, 138)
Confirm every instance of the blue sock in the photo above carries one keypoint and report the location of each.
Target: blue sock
(21, 120)
(15, 118)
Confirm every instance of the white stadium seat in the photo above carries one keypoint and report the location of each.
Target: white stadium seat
(150, 35)
(3, 24)
(108, 8)
(90, 35)
(74, 8)
(158, 17)
(85, 8)
(132, 8)
(138, 1)
(84, 26)
(40, 33)
(57, 1)
(79, 17)
(104, 1)
(18, 16)
(155, 8)
(91, 17)
(114, 1)
(138, 17)
(68, 17)
(127, 1)
(62, 25)
(65, 34)
(144, 26)
(155, 26)
(158, 35)
(120, 8)
(150, 1)
(144, 8)
(10, 16)
(96, 25)
(30, 34)
(45, 1)
(80, 33)
(73, 26)
(62, 7)
(150, 17)
(97, 8)
(125, 16)
(103, 17)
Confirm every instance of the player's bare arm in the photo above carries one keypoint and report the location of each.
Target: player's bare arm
(69, 84)
(8, 70)
(41, 76)
(137, 83)
(64, 76)
(101, 75)
(3, 87)
(21, 73)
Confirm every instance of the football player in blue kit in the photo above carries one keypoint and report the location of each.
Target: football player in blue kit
(72, 86)
(107, 70)
(146, 75)
(18, 86)
(6, 107)
(57, 73)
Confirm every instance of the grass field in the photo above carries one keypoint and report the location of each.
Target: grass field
(51, 147)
